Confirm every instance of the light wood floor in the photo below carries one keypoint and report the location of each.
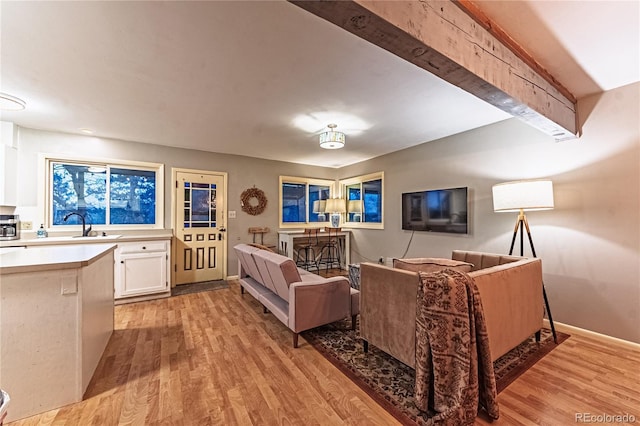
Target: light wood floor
(214, 358)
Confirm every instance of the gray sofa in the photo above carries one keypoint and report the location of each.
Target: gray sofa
(299, 299)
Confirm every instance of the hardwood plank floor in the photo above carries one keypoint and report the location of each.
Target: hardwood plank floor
(214, 358)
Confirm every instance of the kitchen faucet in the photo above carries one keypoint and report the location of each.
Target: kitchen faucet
(85, 232)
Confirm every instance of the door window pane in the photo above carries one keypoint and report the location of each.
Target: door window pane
(200, 205)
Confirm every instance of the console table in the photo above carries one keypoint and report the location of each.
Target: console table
(287, 240)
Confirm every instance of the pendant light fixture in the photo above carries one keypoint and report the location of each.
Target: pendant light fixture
(332, 139)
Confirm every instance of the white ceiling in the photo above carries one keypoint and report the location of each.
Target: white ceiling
(264, 78)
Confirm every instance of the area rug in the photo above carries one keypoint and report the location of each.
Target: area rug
(391, 383)
(181, 289)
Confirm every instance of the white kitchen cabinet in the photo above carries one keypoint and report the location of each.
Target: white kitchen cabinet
(142, 269)
(8, 175)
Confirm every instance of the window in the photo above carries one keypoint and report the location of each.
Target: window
(302, 201)
(109, 195)
(364, 195)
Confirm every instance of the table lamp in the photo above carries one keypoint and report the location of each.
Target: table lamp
(335, 206)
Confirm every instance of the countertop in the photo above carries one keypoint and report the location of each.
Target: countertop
(51, 258)
(68, 239)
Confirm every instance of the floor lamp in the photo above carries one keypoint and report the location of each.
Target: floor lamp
(521, 196)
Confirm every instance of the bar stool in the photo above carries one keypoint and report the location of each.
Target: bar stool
(330, 252)
(306, 252)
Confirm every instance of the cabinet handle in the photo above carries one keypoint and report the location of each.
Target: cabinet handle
(144, 248)
(122, 261)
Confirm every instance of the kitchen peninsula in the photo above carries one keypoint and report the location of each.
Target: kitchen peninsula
(56, 317)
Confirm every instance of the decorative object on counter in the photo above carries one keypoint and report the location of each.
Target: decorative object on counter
(251, 207)
(9, 227)
(335, 206)
(42, 233)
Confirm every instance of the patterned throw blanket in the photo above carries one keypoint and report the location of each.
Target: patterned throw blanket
(454, 372)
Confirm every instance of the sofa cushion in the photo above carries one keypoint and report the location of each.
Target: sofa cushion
(279, 271)
(431, 264)
(244, 251)
(482, 260)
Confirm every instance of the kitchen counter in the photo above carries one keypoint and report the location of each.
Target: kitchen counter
(36, 259)
(56, 311)
(71, 239)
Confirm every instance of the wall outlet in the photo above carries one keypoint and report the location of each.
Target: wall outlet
(232, 214)
(26, 225)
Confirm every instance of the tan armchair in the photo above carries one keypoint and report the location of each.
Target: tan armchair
(510, 290)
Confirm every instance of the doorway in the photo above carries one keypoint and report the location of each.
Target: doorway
(199, 212)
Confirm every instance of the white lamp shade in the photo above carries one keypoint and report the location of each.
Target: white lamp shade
(319, 206)
(523, 195)
(355, 206)
(335, 205)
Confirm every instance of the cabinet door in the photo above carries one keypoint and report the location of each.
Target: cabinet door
(142, 273)
(8, 175)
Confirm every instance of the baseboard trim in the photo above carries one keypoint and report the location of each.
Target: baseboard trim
(142, 298)
(232, 277)
(570, 329)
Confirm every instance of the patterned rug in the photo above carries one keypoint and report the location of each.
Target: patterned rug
(391, 383)
(181, 289)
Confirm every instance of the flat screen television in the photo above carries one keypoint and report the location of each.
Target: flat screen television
(438, 210)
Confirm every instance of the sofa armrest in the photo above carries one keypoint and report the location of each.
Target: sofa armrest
(312, 304)
(512, 301)
(388, 309)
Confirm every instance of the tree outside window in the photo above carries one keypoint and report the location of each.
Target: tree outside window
(104, 194)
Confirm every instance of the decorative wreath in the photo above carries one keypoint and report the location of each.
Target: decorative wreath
(247, 203)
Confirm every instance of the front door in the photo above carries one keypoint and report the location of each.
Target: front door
(199, 227)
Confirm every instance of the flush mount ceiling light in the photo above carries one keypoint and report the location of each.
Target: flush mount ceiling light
(11, 103)
(332, 139)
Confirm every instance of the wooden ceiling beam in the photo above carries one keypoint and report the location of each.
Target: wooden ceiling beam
(457, 43)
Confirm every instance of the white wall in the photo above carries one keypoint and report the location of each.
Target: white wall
(590, 242)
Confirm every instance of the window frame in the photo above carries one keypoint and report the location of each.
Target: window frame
(360, 180)
(307, 182)
(47, 161)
